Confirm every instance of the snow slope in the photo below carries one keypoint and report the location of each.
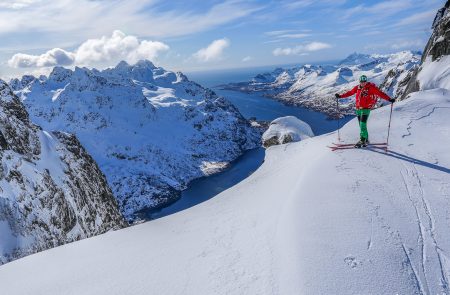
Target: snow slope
(308, 221)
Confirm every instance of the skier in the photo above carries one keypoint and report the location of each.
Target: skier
(366, 97)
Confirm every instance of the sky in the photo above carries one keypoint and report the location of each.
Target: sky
(195, 35)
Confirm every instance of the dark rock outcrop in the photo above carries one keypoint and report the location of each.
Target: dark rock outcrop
(438, 45)
(51, 191)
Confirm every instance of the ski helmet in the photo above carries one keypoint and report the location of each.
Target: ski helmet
(363, 78)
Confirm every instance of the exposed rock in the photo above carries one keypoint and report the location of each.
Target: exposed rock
(51, 190)
(437, 47)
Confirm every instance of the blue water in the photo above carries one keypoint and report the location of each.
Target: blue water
(202, 189)
(266, 109)
(250, 105)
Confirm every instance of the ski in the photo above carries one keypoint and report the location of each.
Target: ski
(352, 144)
(348, 147)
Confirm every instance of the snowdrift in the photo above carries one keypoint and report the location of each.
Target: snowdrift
(286, 129)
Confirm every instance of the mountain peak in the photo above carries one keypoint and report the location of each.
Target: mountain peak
(356, 58)
(145, 63)
(122, 65)
(59, 74)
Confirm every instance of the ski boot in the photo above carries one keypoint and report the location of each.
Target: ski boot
(363, 142)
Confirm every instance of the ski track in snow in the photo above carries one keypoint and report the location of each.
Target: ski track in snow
(420, 118)
(426, 240)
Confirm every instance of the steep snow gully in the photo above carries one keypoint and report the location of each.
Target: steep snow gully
(308, 221)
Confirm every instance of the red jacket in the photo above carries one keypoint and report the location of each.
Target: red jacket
(366, 97)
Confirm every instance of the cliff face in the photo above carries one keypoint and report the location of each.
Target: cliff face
(437, 48)
(51, 190)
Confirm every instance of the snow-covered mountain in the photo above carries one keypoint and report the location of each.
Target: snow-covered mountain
(150, 130)
(51, 190)
(314, 86)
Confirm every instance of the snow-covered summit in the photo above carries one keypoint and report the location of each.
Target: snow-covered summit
(150, 130)
(51, 190)
(314, 86)
(356, 59)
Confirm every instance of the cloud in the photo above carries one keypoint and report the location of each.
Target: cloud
(214, 51)
(53, 57)
(247, 58)
(298, 4)
(421, 17)
(381, 9)
(17, 4)
(279, 32)
(288, 34)
(294, 36)
(80, 19)
(301, 49)
(408, 44)
(118, 46)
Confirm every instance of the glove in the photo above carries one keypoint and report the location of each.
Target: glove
(392, 100)
(337, 95)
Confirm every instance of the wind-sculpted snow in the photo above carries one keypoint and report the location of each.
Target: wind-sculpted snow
(150, 130)
(51, 190)
(314, 86)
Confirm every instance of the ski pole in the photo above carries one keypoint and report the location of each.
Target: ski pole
(389, 127)
(338, 120)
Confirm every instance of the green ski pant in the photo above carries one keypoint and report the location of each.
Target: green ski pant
(363, 116)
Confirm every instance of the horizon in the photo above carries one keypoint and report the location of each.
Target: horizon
(269, 67)
(196, 37)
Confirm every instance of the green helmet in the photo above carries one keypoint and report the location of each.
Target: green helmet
(363, 78)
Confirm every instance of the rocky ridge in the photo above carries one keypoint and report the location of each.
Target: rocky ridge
(435, 54)
(51, 191)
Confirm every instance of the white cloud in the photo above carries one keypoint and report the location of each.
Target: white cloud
(53, 57)
(421, 17)
(279, 32)
(17, 4)
(314, 46)
(118, 46)
(289, 34)
(247, 58)
(80, 19)
(214, 51)
(294, 36)
(301, 49)
(381, 9)
(408, 44)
